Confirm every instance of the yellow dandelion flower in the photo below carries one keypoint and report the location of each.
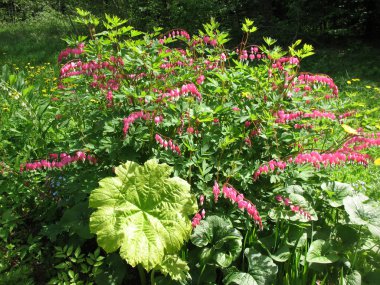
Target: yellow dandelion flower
(355, 79)
(348, 82)
(368, 87)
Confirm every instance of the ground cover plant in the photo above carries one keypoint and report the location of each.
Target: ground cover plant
(165, 158)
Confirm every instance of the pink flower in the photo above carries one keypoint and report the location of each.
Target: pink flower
(201, 199)
(203, 213)
(216, 191)
(200, 79)
(279, 198)
(190, 130)
(158, 119)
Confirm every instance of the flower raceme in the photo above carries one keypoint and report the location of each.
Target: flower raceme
(173, 34)
(71, 51)
(316, 159)
(283, 117)
(133, 117)
(57, 161)
(230, 193)
(168, 144)
(306, 79)
(185, 90)
(294, 208)
(358, 143)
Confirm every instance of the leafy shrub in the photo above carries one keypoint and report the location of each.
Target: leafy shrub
(253, 137)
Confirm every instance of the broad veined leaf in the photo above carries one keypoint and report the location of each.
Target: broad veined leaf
(294, 189)
(143, 212)
(221, 242)
(320, 251)
(362, 212)
(239, 278)
(337, 192)
(174, 266)
(281, 255)
(287, 214)
(354, 278)
(260, 267)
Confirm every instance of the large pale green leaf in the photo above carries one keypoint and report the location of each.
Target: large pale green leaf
(320, 251)
(337, 191)
(260, 267)
(174, 266)
(221, 243)
(362, 212)
(143, 212)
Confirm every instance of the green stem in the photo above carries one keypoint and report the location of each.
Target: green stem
(152, 281)
(200, 275)
(141, 274)
(356, 248)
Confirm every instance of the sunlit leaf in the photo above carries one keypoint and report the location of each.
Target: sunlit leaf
(221, 243)
(260, 267)
(349, 130)
(363, 212)
(321, 251)
(175, 267)
(239, 278)
(338, 191)
(143, 212)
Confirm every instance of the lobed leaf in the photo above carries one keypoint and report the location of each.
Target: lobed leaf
(143, 212)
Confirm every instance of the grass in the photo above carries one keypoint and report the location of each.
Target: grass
(35, 41)
(358, 60)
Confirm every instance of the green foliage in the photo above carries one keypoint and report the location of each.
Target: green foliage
(242, 130)
(363, 213)
(142, 211)
(73, 265)
(321, 251)
(220, 243)
(177, 268)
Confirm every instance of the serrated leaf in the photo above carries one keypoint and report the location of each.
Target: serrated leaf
(320, 251)
(174, 266)
(143, 212)
(221, 242)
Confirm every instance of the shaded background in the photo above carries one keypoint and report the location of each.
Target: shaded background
(343, 29)
(286, 19)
